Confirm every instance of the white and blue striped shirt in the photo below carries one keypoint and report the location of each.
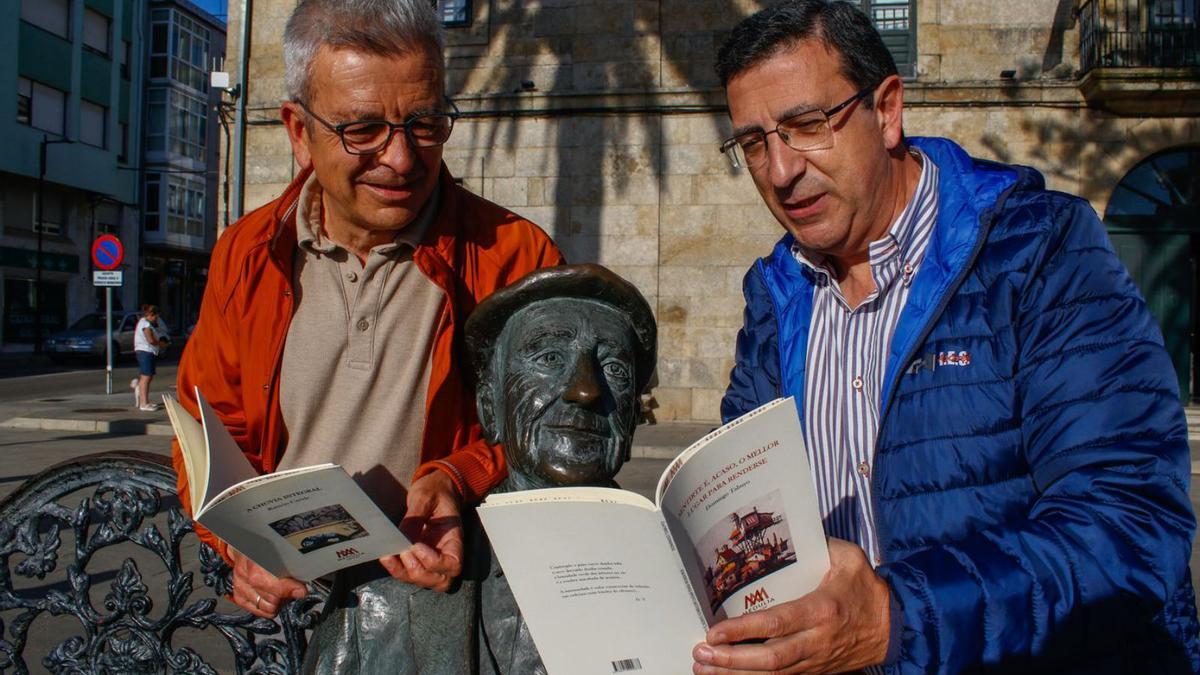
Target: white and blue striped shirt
(847, 357)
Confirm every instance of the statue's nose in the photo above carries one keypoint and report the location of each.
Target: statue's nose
(583, 388)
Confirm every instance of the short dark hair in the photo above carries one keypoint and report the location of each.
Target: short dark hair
(841, 26)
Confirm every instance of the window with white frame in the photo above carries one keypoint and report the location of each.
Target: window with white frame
(49, 15)
(96, 30)
(160, 42)
(190, 53)
(156, 120)
(24, 100)
(93, 121)
(454, 12)
(185, 205)
(896, 22)
(188, 127)
(40, 106)
(179, 48)
(176, 122)
(150, 215)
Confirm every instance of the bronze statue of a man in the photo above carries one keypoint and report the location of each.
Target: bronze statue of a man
(561, 358)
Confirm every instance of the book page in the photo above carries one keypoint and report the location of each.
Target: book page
(194, 449)
(305, 523)
(743, 508)
(227, 466)
(598, 583)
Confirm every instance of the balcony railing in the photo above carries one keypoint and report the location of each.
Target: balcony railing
(1137, 33)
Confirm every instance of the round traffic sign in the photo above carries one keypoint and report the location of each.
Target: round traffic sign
(107, 252)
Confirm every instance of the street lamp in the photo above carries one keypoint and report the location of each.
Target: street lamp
(37, 288)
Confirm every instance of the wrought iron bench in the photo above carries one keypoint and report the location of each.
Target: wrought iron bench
(97, 575)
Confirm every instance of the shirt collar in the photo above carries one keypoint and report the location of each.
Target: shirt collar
(899, 238)
(309, 214)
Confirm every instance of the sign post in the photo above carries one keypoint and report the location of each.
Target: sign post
(107, 253)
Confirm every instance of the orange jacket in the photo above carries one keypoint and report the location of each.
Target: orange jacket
(473, 248)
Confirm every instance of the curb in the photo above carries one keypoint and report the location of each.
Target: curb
(116, 427)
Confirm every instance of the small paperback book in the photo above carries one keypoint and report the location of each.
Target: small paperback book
(610, 582)
(301, 523)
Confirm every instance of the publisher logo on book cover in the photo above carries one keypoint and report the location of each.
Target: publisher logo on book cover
(759, 599)
(344, 553)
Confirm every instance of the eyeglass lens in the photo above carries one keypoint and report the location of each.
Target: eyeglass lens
(806, 131)
(424, 131)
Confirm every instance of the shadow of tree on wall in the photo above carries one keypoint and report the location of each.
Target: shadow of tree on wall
(600, 69)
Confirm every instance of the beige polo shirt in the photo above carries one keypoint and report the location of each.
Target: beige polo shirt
(356, 362)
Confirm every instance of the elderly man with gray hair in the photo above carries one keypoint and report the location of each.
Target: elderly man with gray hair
(330, 325)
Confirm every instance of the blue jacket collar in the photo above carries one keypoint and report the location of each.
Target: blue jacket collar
(969, 190)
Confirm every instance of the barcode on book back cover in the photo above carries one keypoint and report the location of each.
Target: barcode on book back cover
(626, 665)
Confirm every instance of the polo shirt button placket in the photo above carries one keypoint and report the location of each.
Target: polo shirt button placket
(362, 324)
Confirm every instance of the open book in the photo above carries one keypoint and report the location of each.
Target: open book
(302, 523)
(609, 582)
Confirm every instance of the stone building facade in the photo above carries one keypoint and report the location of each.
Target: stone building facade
(600, 120)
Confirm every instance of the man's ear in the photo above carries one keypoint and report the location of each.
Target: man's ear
(889, 110)
(295, 121)
(485, 405)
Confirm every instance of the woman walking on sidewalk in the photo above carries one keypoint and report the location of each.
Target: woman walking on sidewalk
(148, 342)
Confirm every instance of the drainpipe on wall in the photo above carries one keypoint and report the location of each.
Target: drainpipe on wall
(239, 164)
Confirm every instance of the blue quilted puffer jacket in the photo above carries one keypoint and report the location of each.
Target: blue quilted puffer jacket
(1032, 504)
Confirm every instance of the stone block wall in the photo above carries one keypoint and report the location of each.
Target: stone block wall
(600, 119)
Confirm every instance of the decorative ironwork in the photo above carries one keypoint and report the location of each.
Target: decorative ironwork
(67, 516)
(1132, 33)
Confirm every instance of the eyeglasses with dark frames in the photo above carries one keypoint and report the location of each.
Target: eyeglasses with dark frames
(809, 130)
(367, 137)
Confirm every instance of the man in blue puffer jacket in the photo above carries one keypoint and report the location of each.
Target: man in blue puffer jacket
(994, 427)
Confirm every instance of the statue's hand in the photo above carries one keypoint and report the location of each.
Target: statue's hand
(434, 524)
(258, 591)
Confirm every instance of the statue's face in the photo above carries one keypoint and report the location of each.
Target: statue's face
(567, 403)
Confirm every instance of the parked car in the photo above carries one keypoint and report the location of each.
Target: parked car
(85, 338)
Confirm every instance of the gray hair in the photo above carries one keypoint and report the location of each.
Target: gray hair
(383, 27)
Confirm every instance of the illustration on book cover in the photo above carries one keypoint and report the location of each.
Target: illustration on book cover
(751, 543)
(318, 528)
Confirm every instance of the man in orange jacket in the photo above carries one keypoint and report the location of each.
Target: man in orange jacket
(329, 327)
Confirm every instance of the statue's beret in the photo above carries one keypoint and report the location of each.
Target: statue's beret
(589, 282)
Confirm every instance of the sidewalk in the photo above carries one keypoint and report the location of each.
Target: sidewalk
(115, 414)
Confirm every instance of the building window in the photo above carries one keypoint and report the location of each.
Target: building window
(156, 120)
(96, 29)
(93, 120)
(153, 202)
(49, 15)
(51, 222)
(40, 106)
(126, 50)
(190, 53)
(123, 131)
(454, 12)
(24, 100)
(896, 22)
(185, 205)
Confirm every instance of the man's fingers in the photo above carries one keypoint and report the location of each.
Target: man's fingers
(783, 619)
(254, 602)
(447, 561)
(781, 655)
(407, 567)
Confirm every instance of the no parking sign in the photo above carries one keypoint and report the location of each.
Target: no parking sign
(107, 252)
